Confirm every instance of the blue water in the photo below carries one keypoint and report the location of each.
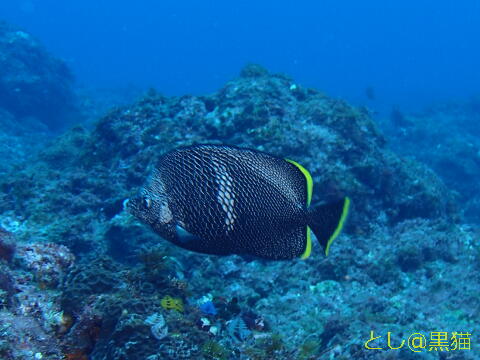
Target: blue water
(411, 53)
(80, 278)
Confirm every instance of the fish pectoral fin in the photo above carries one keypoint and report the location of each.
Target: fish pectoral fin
(184, 236)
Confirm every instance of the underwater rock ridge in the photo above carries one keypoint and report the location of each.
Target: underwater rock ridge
(94, 284)
(33, 83)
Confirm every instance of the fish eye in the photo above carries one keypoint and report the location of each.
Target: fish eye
(147, 202)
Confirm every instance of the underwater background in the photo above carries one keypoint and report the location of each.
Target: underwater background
(380, 101)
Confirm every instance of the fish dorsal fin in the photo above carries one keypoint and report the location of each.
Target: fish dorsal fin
(308, 178)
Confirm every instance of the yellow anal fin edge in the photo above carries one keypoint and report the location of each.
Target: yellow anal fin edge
(308, 247)
(308, 178)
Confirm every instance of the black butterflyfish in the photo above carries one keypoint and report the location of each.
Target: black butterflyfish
(223, 200)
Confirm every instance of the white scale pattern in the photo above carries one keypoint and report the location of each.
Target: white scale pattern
(225, 195)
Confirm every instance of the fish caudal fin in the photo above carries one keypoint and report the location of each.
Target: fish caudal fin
(326, 221)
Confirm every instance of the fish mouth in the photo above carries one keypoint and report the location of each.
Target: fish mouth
(132, 206)
(125, 204)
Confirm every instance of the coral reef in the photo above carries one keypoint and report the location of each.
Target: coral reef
(7, 245)
(89, 282)
(339, 144)
(18, 142)
(31, 318)
(47, 261)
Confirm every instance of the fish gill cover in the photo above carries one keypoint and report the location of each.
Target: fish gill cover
(106, 275)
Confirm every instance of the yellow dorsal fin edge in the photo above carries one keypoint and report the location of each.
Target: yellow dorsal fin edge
(308, 177)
